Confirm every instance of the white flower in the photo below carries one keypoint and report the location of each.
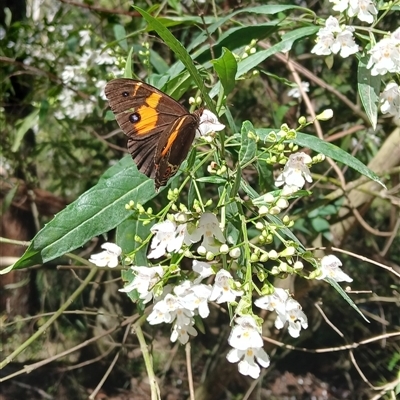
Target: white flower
(103, 57)
(330, 268)
(68, 74)
(245, 334)
(107, 258)
(390, 100)
(274, 302)
(209, 229)
(197, 299)
(385, 56)
(345, 43)
(165, 310)
(339, 5)
(335, 39)
(294, 315)
(208, 123)
(323, 45)
(364, 9)
(296, 172)
(144, 281)
(295, 92)
(247, 365)
(203, 269)
(182, 333)
(85, 37)
(168, 238)
(222, 291)
(287, 309)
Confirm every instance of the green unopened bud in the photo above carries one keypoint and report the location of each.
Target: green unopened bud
(235, 253)
(283, 267)
(271, 137)
(282, 203)
(264, 257)
(274, 210)
(254, 258)
(288, 252)
(259, 225)
(128, 260)
(253, 136)
(286, 219)
(325, 115)
(298, 266)
(210, 256)
(268, 198)
(275, 271)
(224, 249)
(261, 276)
(302, 121)
(273, 255)
(269, 238)
(263, 210)
(138, 239)
(314, 274)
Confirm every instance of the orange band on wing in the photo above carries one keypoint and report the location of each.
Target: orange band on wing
(173, 136)
(148, 115)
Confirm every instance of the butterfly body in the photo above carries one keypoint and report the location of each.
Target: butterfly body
(160, 130)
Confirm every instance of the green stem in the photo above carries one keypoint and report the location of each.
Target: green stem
(155, 390)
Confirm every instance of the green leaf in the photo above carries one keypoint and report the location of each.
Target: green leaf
(328, 149)
(368, 89)
(285, 44)
(263, 10)
(96, 211)
(226, 68)
(27, 123)
(336, 153)
(345, 296)
(128, 65)
(248, 146)
(125, 238)
(237, 37)
(181, 53)
(120, 36)
(257, 58)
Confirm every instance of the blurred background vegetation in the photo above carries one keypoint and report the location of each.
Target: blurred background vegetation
(55, 58)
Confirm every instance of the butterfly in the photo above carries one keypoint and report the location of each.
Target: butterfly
(160, 130)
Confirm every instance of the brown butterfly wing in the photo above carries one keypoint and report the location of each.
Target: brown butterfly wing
(144, 114)
(174, 148)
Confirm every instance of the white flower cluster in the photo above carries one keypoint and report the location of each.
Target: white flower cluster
(364, 10)
(385, 55)
(179, 305)
(287, 310)
(75, 107)
(335, 39)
